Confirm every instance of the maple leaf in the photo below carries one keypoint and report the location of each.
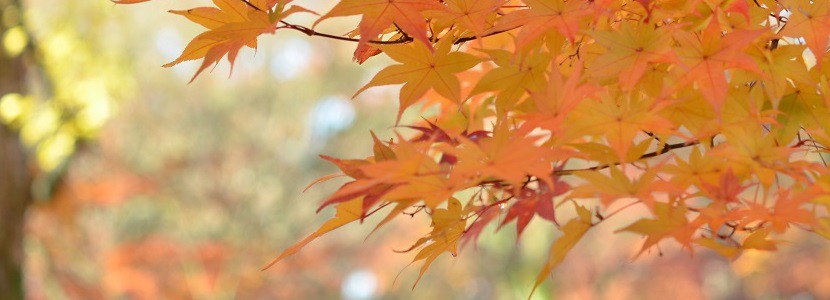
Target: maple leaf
(619, 118)
(788, 209)
(232, 25)
(447, 227)
(413, 174)
(573, 231)
(752, 151)
(557, 99)
(707, 56)
(475, 16)
(809, 20)
(421, 70)
(801, 109)
(759, 240)
(543, 15)
(695, 170)
(485, 215)
(780, 69)
(226, 11)
(513, 77)
(347, 212)
(630, 51)
(727, 189)
(378, 15)
(720, 246)
(534, 202)
(669, 222)
(715, 215)
(349, 167)
(616, 185)
(510, 156)
(382, 151)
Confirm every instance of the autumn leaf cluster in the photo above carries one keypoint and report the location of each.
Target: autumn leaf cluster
(711, 115)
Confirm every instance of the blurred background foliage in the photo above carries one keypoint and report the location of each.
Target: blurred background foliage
(150, 188)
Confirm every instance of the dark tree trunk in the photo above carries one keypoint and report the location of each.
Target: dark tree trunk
(15, 178)
(14, 198)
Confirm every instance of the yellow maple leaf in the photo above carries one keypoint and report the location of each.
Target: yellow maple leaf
(420, 70)
(631, 49)
(347, 212)
(573, 232)
(448, 225)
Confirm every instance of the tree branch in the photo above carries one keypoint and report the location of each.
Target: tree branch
(403, 40)
(311, 32)
(666, 149)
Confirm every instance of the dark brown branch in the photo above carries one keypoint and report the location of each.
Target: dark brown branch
(252, 6)
(403, 40)
(666, 149)
(311, 32)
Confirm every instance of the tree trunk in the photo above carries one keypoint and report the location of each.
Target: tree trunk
(14, 198)
(15, 178)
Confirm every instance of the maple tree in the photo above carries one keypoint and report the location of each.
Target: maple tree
(713, 115)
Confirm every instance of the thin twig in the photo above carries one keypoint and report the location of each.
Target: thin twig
(666, 149)
(403, 40)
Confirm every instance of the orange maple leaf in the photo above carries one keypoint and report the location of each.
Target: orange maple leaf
(809, 20)
(708, 55)
(631, 49)
(420, 70)
(232, 25)
(475, 16)
(378, 15)
(562, 15)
